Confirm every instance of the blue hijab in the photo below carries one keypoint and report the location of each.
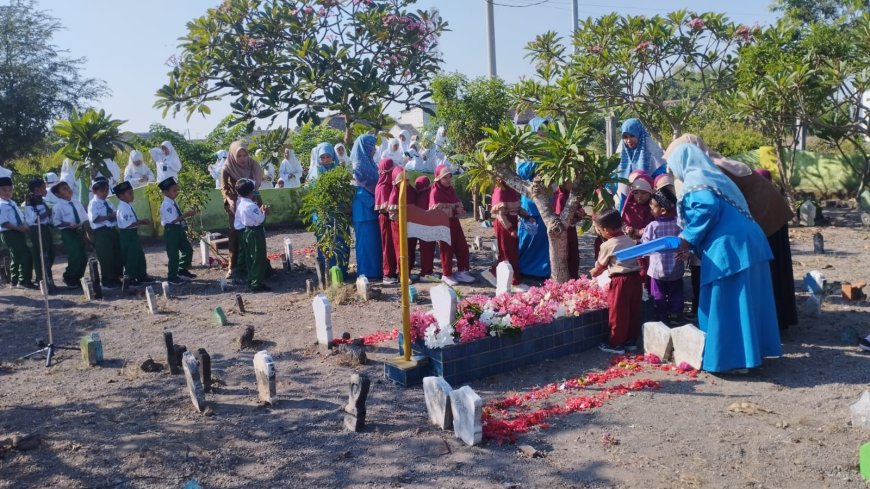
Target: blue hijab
(639, 158)
(365, 170)
(526, 171)
(537, 122)
(691, 165)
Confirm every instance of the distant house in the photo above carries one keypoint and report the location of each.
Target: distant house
(414, 120)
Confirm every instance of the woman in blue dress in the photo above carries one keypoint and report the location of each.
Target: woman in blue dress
(736, 307)
(324, 161)
(369, 260)
(534, 243)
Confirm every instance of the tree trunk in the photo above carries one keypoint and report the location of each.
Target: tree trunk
(558, 253)
(348, 131)
(784, 179)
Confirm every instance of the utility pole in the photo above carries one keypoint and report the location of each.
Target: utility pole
(575, 17)
(490, 33)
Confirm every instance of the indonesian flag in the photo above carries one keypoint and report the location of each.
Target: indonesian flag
(431, 225)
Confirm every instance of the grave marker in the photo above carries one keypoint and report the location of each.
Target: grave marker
(89, 351)
(264, 369)
(204, 251)
(322, 319)
(355, 411)
(204, 360)
(657, 340)
(194, 384)
(88, 289)
(437, 392)
(166, 291)
(467, 408)
(444, 304)
(688, 345)
(288, 254)
(174, 367)
(247, 338)
(94, 276)
(504, 276)
(219, 316)
(336, 276)
(240, 303)
(860, 412)
(363, 288)
(151, 300)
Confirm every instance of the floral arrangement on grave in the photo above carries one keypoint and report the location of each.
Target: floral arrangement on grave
(480, 316)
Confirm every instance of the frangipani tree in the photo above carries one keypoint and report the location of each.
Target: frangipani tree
(299, 59)
(562, 155)
(90, 138)
(630, 62)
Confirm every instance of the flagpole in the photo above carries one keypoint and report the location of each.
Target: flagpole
(403, 265)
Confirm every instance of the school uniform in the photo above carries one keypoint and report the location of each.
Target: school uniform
(63, 215)
(132, 254)
(249, 223)
(34, 215)
(625, 293)
(178, 248)
(105, 241)
(21, 268)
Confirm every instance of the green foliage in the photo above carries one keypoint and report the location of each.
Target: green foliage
(225, 133)
(808, 11)
(328, 205)
(464, 107)
(194, 187)
(632, 62)
(38, 82)
(26, 168)
(272, 143)
(732, 138)
(300, 59)
(90, 138)
(193, 154)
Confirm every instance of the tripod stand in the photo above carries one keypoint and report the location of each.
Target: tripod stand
(44, 286)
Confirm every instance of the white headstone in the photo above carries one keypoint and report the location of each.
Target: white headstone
(166, 291)
(288, 252)
(151, 299)
(478, 243)
(264, 369)
(322, 319)
(437, 392)
(467, 408)
(807, 213)
(88, 288)
(860, 412)
(657, 340)
(363, 287)
(204, 251)
(194, 383)
(223, 283)
(688, 345)
(504, 277)
(444, 304)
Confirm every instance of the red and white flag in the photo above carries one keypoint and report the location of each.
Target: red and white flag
(431, 225)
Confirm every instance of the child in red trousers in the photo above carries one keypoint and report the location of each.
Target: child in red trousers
(443, 198)
(383, 189)
(422, 187)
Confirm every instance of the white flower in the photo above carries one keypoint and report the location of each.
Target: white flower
(560, 312)
(493, 333)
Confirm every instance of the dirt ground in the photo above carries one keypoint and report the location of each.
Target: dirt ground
(117, 426)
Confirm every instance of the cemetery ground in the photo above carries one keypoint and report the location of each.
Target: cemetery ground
(117, 426)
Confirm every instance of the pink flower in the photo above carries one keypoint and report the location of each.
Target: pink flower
(308, 9)
(596, 49)
(744, 33)
(696, 24)
(642, 46)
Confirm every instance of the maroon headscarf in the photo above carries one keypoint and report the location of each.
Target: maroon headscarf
(410, 193)
(634, 214)
(442, 194)
(421, 191)
(560, 199)
(385, 184)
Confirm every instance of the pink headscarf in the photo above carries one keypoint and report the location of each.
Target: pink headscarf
(634, 214)
(442, 194)
(385, 184)
(421, 189)
(410, 193)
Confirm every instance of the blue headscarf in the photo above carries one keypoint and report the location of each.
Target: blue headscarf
(639, 158)
(316, 167)
(365, 170)
(537, 122)
(526, 171)
(691, 165)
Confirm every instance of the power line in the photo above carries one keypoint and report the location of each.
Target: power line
(532, 4)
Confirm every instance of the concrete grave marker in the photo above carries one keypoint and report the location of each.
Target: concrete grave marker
(240, 303)
(264, 369)
(174, 366)
(336, 276)
(860, 412)
(151, 299)
(220, 316)
(98, 346)
(657, 340)
(688, 345)
(363, 288)
(166, 290)
(94, 276)
(321, 273)
(247, 338)
(194, 384)
(504, 277)
(204, 360)
(467, 409)
(204, 251)
(89, 351)
(288, 254)
(322, 319)
(413, 295)
(88, 288)
(308, 287)
(437, 392)
(444, 304)
(355, 411)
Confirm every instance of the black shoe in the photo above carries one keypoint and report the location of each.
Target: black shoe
(29, 285)
(185, 273)
(111, 285)
(72, 284)
(262, 288)
(147, 279)
(616, 350)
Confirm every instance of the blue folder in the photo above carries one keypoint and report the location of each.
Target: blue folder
(668, 243)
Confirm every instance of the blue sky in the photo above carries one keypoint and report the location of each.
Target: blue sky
(127, 42)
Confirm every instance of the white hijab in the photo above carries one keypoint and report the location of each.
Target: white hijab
(405, 138)
(395, 152)
(343, 159)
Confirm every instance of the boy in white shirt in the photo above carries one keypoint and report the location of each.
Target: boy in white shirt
(68, 216)
(103, 219)
(249, 222)
(38, 217)
(13, 234)
(178, 248)
(132, 254)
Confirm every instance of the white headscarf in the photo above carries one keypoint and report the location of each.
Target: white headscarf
(395, 152)
(290, 170)
(343, 159)
(171, 164)
(135, 172)
(406, 142)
